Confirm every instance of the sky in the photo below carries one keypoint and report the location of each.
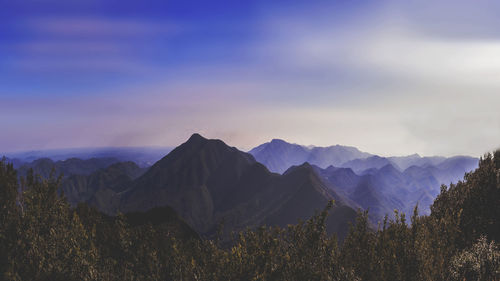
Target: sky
(389, 77)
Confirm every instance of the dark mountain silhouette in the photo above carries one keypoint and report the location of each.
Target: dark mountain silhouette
(279, 155)
(206, 182)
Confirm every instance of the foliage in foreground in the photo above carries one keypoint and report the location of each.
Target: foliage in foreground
(43, 238)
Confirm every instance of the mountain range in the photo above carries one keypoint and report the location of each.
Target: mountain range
(206, 182)
(66, 168)
(380, 184)
(279, 155)
(142, 156)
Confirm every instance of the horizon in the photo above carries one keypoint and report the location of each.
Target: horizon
(75, 150)
(387, 77)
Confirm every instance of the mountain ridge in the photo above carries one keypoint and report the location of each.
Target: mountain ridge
(278, 155)
(207, 181)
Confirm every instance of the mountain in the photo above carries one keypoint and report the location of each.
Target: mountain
(376, 191)
(116, 177)
(446, 170)
(386, 189)
(143, 156)
(206, 182)
(279, 155)
(380, 184)
(363, 164)
(14, 161)
(164, 219)
(404, 162)
(453, 169)
(72, 166)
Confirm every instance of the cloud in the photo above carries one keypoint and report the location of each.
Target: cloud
(72, 47)
(87, 44)
(390, 80)
(395, 52)
(96, 27)
(82, 65)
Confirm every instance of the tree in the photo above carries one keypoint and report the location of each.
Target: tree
(481, 262)
(9, 215)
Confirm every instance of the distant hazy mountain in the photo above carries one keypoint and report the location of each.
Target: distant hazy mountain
(206, 182)
(447, 169)
(384, 189)
(380, 184)
(69, 167)
(142, 156)
(453, 169)
(14, 161)
(371, 191)
(361, 165)
(279, 155)
(404, 162)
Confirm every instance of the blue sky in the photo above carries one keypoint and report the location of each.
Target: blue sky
(390, 77)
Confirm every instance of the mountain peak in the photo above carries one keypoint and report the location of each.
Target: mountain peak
(196, 138)
(388, 168)
(300, 167)
(278, 141)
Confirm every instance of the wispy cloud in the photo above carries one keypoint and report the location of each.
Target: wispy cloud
(88, 44)
(94, 27)
(72, 47)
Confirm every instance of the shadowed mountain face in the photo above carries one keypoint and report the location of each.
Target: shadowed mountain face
(88, 188)
(279, 155)
(207, 182)
(164, 219)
